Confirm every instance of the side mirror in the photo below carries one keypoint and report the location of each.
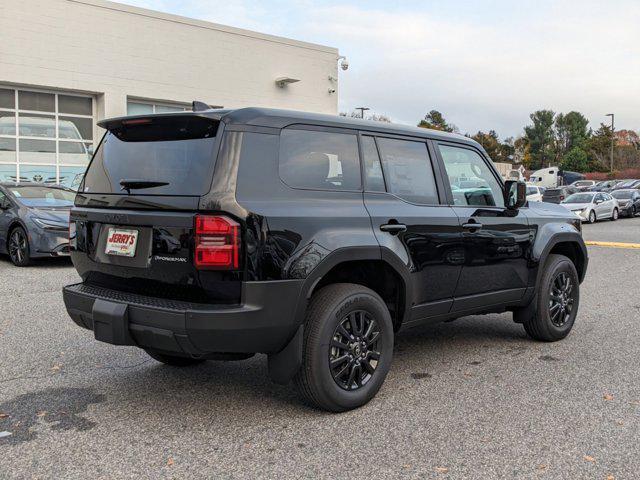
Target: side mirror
(515, 194)
(4, 203)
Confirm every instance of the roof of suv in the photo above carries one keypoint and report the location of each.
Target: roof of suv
(275, 118)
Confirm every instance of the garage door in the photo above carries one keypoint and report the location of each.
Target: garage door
(45, 137)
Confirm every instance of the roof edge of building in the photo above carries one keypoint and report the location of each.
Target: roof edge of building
(169, 17)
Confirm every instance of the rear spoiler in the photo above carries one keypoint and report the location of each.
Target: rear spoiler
(119, 122)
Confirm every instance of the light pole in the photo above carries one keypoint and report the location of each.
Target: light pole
(613, 138)
(362, 110)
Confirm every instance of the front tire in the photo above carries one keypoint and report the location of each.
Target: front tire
(555, 305)
(592, 217)
(173, 360)
(19, 250)
(614, 215)
(347, 347)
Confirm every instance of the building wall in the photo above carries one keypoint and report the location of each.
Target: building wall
(116, 53)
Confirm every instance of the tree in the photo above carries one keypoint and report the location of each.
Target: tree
(571, 131)
(490, 143)
(540, 138)
(575, 161)
(522, 153)
(498, 151)
(598, 148)
(435, 120)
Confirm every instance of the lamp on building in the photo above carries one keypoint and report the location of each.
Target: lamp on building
(282, 82)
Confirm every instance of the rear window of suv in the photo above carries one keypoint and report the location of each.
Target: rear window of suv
(177, 150)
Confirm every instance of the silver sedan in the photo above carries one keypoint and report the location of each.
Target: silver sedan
(592, 206)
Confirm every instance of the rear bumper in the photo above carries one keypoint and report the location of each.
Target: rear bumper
(264, 323)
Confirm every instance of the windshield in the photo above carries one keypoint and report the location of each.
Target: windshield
(532, 190)
(33, 196)
(175, 151)
(579, 198)
(624, 194)
(628, 183)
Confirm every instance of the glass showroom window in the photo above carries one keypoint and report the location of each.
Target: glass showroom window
(135, 107)
(44, 137)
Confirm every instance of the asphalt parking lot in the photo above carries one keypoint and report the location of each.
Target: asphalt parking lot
(469, 399)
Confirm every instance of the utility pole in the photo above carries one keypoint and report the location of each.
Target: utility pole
(362, 110)
(613, 138)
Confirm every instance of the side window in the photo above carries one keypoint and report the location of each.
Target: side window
(408, 171)
(472, 181)
(374, 180)
(319, 160)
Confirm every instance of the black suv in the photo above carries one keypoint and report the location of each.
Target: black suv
(218, 234)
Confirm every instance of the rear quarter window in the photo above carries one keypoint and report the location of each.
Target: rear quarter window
(318, 160)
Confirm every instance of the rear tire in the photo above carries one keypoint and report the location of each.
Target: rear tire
(552, 312)
(18, 247)
(347, 347)
(174, 360)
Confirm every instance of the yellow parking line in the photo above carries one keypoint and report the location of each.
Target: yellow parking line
(614, 244)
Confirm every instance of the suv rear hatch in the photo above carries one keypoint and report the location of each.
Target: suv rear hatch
(554, 195)
(136, 228)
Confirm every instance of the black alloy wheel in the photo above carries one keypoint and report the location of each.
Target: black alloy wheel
(347, 347)
(19, 247)
(561, 299)
(354, 351)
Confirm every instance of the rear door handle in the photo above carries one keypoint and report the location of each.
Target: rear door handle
(472, 226)
(393, 228)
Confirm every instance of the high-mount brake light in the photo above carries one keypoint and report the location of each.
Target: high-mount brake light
(217, 243)
(137, 121)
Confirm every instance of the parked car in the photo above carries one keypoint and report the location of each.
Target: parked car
(604, 186)
(628, 201)
(592, 206)
(313, 240)
(625, 184)
(557, 195)
(582, 185)
(534, 193)
(34, 221)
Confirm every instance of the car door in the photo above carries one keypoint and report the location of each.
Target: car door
(601, 207)
(611, 203)
(411, 224)
(497, 241)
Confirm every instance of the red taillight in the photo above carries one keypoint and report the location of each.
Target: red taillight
(217, 242)
(561, 197)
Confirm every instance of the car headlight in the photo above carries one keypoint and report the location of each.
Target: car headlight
(50, 224)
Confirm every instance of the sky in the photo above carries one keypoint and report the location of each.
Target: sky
(484, 64)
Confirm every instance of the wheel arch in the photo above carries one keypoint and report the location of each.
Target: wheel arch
(563, 241)
(371, 267)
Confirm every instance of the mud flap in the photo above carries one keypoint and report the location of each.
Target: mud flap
(111, 323)
(286, 363)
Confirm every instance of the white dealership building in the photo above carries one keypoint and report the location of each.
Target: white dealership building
(65, 64)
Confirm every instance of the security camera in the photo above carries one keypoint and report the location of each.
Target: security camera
(344, 63)
(332, 90)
